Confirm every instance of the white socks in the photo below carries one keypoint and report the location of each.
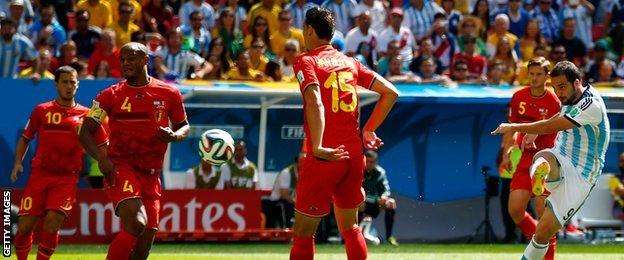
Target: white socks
(535, 251)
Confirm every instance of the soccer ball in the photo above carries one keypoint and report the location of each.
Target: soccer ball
(216, 146)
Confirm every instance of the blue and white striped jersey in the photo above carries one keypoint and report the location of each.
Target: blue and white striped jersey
(586, 144)
(20, 47)
(179, 63)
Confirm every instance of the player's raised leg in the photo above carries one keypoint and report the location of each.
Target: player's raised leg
(133, 220)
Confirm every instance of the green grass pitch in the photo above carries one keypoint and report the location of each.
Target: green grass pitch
(179, 251)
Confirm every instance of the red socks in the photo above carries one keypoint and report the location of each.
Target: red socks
(47, 244)
(527, 226)
(552, 245)
(302, 248)
(354, 244)
(23, 243)
(122, 246)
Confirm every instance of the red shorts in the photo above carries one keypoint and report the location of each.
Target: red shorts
(521, 180)
(130, 184)
(45, 191)
(320, 181)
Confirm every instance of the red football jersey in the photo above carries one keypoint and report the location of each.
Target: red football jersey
(338, 77)
(525, 108)
(135, 115)
(58, 149)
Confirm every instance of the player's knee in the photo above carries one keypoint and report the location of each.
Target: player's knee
(25, 228)
(516, 212)
(53, 221)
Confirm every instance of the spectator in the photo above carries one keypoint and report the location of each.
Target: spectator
(364, 54)
(419, 16)
(47, 31)
(40, 68)
(205, 176)
(174, 63)
(137, 14)
(558, 53)
(240, 15)
(268, 10)
(100, 12)
(481, 10)
(67, 57)
(361, 33)
(444, 43)
(157, 16)
(377, 13)
(256, 55)
(13, 47)
(496, 70)
(377, 191)
(298, 9)
(106, 51)
(606, 75)
(576, 49)
(201, 37)
(227, 31)
(16, 12)
(259, 30)
(344, 12)
(610, 44)
(291, 51)
(530, 39)
(581, 11)
(591, 69)
(273, 71)
(460, 74)
(243, 70)
(402, 34)
(523, 73)
(218, 56)
(206, 10)
(393, 50)
(428, 75)
(338, 41)
(617, 189)
(501, 29)
(397, 72)
(102, 70)
(123, 26)
(240, 173)
(279, 207)
(85, 36)
(476, 64)
(81, 69)
(604, 14)
(426, 51)
(470, 25)
(547, 20)
(518, 18)
(506, 54)
(452, 15)
(285, 32)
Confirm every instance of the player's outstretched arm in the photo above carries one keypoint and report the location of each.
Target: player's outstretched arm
(388, 95)
(315, 118)
(554, 124)
(20, 151)
(87, 140)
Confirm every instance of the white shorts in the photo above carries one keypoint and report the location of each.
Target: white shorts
(568, 194)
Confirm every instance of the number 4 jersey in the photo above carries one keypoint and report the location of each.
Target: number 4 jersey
(338, 77)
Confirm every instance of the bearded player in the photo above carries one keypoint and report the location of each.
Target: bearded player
(527, 105)
(51, 189)
(334, 164)
(140, 111)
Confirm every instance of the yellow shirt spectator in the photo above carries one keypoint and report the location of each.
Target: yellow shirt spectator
(492, 42)
(461, 6)
(234, 74)
(270, 14)
(101, 13)
(278, 40)
(124, 33)
(27, 73)
(136, 15)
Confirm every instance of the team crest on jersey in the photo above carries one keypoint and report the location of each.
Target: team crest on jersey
(575, 112)
(300, 77)
(159, 115)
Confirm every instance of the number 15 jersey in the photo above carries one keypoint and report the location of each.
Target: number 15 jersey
(338, 77)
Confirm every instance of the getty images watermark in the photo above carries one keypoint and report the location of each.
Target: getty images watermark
(6, 223)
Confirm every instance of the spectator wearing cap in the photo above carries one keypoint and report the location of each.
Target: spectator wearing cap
(470, 26)
(100, 12)
(361, 33)
(40, 68)
(377, 11)
(452, 15)
(547, 19)
(298, 9)
(344, 11)
(267, 9)
(200, 35)
(400, 33)
(27, 13)
(419, 17)
(576, 49)
(47, 31)
(285, 32)
(444, 43)
(124, 27)
(16, 10)
(85, 36)
(501, 29)
(518, 17)
(175, 63)
(13, 47)
(581, 11)
(197, 5)
(476, 64)
(107, 52)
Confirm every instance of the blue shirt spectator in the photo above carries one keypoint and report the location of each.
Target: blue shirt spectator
(13, 48)
(38, 31)
(85, 36)
(343, 12)
(419, 16)
(548, 20)
(201, 36)
(298, 9)
(197, 5)
(518, 19)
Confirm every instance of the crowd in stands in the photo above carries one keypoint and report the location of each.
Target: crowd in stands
(445, 42)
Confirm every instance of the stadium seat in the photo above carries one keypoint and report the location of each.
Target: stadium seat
(597, 211)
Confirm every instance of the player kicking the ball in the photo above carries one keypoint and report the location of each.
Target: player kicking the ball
(51, 189)
(334, 165)
(570, 169)
(140, 110)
